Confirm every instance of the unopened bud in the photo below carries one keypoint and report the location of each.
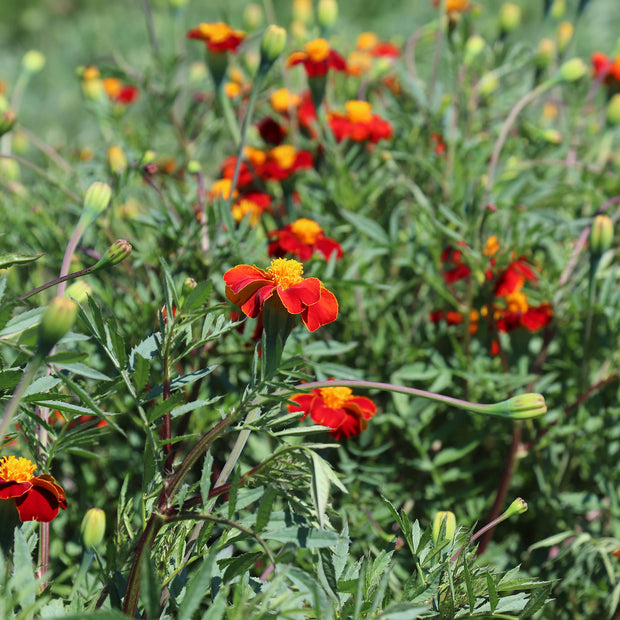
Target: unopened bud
(79, 291)
(509, 17)
(57, 320)
(443, 517)
(488, 84)
(253, 16)
(303, 11)
(473, 48)
(573, 70)
(272, 44)
(117, 160)
(558, 9)
(544, 53)
(8, 118)
(521, 407)
(564, 35)
(115, 254)
(518, 507)
(601, 235)
(327, 13)
(93, 528)
(552, 136)
(189, 284)
(194, 166)
(613, 110)
(96, 200)
(33, 61)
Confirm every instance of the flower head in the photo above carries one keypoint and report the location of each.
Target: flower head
(118, 92)
(337, 408)
(253, 203)
(317, 58)
(283, 161)
(303, 238)
(218, 37)
(359, 123)
(281, 284)
(37, 498)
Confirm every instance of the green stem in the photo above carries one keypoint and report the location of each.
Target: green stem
(70, 276)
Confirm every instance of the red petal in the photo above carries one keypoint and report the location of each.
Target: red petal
(243, 275)
(321, 313)
(10, 489)
(297, 297)
(327, 416)
(42, 502)
(362, 406)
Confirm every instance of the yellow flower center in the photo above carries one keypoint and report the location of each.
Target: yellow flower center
(336, 397)
(366, 41)
(216, 33)
(285, 155)
(16, 469)
(516, 302)
(307, 231)
(221, 189)
(317, 50)
(243, 207)
(358, 111)
(283, 99)
(491, 246)
(285, 272)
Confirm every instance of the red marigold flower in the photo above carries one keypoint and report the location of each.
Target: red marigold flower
(247, 171)
(606, 68)
(369, 42)
(37, 498)
(218, 37)
(283, 161)
(254, 203)
(513, 277)
(282, 283)
(359, 124)
(271, 131)
(119, 92)
(337, 408)
(317, 58)
(303, 238)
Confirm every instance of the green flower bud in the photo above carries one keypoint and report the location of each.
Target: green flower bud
(117, 160)
(443, 517)
(519, 506)
(303, 12)
(272, 44)
(613, 110)
(573, 70)
(544, 53)
(33, 61)
(473, 48)
(553, 136)
(601, 235)
(488, 84)
(8, 118)
(558, 9)
(509, 17)
(521, 407)
(189, 285)
(79, 290)
(96, 200)
(253, 16)
(327, 13)
(564, 35)
(193, 166)
(93, 528)
(57, 320)
(115, 254)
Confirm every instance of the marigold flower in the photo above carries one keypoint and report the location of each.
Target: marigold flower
(218, 37)
(513, 278)
(369, 42)
(271, 131)
(458, 270)
(337, 408)
(253, 203)
(283, 161)
(37, 498)
(491, 246)
(283, 100)
(119, 92)
(222, 189)
(282, 284)
(317, 58)
(303, 238)
(359, 123)
(455, 6)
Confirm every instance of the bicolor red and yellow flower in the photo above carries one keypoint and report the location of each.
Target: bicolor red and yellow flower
(282, 161)
(337, 408)
(119, 92)
(282, 284)
(37, 498)
(218, 37)
(359, 124)
(368, 48)
(317, 58)
(252, 203)
(303, 238)
(606, 69)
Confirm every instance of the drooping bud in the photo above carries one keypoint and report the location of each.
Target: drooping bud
(573, 70)
(519, 506)
(564, 35)
(444, 522)
(115, 254)
(509, 17)
(327, 13)
(613, 110)
(8, 118)
(117, 160)
(601, 235)
(33, 61)
(272, 45)
(57, 320)
(93, 528)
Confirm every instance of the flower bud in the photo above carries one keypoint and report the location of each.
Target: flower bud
(8, 118)
(93, 528)
(519, 506)
(488, 84)
(302, 11)
(272, 44)
(441, 517)
(473, 48)
(552, 136)
(564, 35)
(57, 320)
(33, 61)
(79, 290)
(193, 166)
(97, 197)
(253, 16)
(544, 53)
(521, 407)
(601, 234)
(327, 13)
(509, 17)
(189, 284)
(117, 160)
(558, 9)
(573, 70)
(115, 254)
(613, 110)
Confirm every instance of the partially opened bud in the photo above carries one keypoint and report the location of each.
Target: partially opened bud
(509, 17)
(93, 528)
(189, 284)
(327, 13)
(56, 321)
(97, 197)
(115, 254)
(573, 70)
(8, 118)
(272, 44)
(519, 506)
(117, 160)
(601, 235)
(444, 522)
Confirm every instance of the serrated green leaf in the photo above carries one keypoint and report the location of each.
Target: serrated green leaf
(8, 260)
(142, 368)
(205, 478)
(319, 487)
(492, 592)
(234, 490)
(22, 321)
(198, 297)
(84, 371)
(179, 382)
(536, 602)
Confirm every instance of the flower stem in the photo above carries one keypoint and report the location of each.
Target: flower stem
(69, 276)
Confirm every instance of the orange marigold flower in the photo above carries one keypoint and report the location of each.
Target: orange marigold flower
(455, 6)
(303, 238)
(282, 161)
(359, 123)
(37, 498)
(369, 42)
(222, 188)
(491, 246)
(337, 408)
(283, 100)
(218, 37)
(254, 203)
(119, 92)
(317, 58)
(250, 288)
(513, 277)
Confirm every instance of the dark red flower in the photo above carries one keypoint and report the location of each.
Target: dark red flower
(303, 238)
(37, 498)
(271, 131)
(337, 408)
